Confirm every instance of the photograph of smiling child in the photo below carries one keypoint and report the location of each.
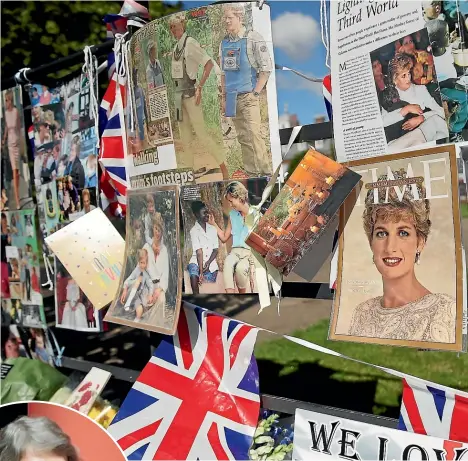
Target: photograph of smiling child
(404, 225)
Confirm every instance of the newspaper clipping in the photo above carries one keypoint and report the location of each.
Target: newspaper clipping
(386, 73)
(203, 97)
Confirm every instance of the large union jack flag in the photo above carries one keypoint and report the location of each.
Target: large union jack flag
(113, 181)
(198, 397)
(431, 409)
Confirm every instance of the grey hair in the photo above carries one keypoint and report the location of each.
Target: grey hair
(38, 435)
(237, 8)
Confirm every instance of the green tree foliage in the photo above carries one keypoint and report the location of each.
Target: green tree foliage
(34, 33)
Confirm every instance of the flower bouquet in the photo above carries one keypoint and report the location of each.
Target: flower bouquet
(272, 441)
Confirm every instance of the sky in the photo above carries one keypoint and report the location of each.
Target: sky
(298, 44)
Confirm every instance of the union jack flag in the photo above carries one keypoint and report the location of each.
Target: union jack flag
(327, 95)
(431, 409)
(113, 181)
(198, 397)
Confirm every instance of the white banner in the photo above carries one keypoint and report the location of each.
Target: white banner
(318, 436)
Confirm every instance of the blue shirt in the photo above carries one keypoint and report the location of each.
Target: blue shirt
(239, 230)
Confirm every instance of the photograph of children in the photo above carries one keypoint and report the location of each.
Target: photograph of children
(20, 254)
(50, 125)
(302, 210)
(16, 190)
(447, 28)
(216, 64)
(406, 222)
(73, 310)
(216, 257)
(408, 92)
(41, 95)
(150, 286)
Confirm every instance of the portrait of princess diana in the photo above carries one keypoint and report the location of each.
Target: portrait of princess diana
(397, 229)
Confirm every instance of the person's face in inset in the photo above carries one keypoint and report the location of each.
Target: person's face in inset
(12, 348)
(402, 79)
(86, 202)
(44, 89)
(177, 30)
(231, 22)
(35, 94)
(32, 456)
(56, 151)
(36, 113)
(431, 9)
(157, 234)
(152, 54)
(73, 152)
(394, 246)
(150, 206)
(408, 44)
(43, 131)
(234, 202)
(203, 215)
(143, 263)
(9, 101)
(443, 37)
(376, 68)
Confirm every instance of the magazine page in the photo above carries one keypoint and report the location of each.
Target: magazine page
(406, 222)
(386, 95)
(150, 287)
(216, 257)
(204, 97)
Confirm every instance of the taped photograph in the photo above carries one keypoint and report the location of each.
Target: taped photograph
(150, 287)
(216, 257)
(406, 223)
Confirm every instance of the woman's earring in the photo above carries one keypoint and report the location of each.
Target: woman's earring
(373, 260)
(418, 257)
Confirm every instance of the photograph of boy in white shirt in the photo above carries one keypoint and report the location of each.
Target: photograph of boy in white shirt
(202, 267)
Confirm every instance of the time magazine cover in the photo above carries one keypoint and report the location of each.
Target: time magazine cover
(203, 94)
(400, 273)
(150, 287)
(216, 257)
(302, 210)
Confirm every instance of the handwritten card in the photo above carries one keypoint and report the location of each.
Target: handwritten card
(92, 251)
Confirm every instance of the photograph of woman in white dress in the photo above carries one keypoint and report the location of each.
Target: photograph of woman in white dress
(12, 140)
(397, 231)
(150, 289)
(74, 312)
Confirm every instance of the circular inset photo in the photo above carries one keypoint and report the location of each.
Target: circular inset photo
(44, 431)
